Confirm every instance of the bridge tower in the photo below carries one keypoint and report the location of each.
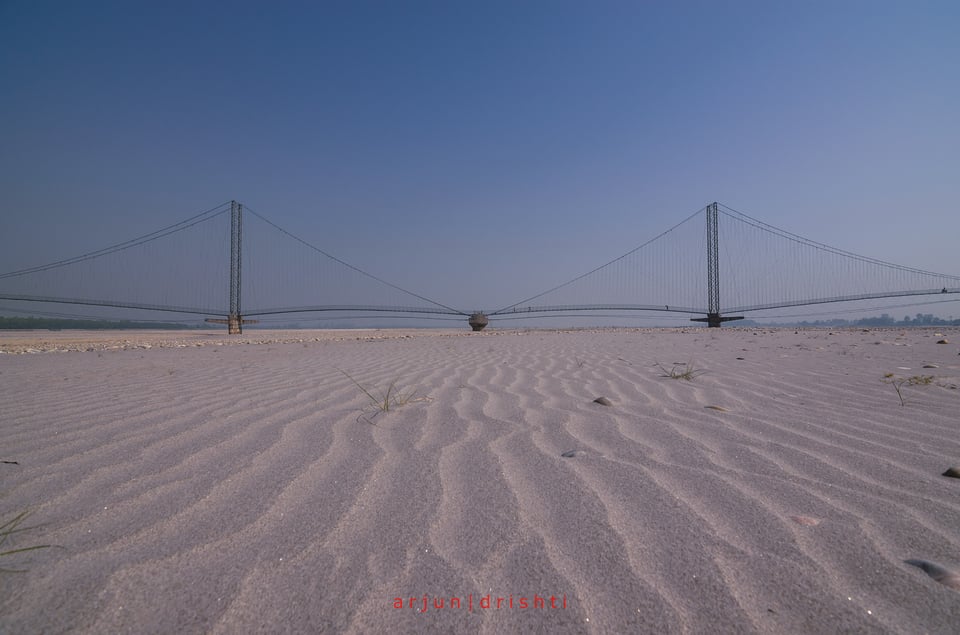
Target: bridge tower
(713, 318)
(235, 319)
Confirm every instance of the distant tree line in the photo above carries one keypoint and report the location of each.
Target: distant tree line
(56, 324)
(921, 319)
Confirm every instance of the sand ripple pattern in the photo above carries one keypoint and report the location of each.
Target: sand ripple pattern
(226, 489)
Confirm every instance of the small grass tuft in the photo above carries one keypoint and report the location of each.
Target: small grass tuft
(898, 382)
(384, 400)
(9, 528)
(680, 371)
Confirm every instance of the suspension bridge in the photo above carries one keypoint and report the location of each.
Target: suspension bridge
(233, 265)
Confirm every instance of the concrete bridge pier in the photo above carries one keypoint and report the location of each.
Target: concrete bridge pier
(234, 323)
(715, 319)
(478, 321)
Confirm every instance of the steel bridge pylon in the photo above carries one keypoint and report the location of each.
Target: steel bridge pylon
(234, 320)
(713, 318)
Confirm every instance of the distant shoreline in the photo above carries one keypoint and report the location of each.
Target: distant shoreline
(66, 341)
(7, 324)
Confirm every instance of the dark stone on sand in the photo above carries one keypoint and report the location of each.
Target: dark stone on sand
(943, 341)
(569, 454)
(952, 472)
(938, 573)
(603, 401)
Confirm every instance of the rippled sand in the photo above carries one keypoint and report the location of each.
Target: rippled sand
(255, 488)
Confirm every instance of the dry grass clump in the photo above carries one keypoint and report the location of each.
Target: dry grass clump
(9, 528)
(384, 400)
(898, 382)
(680, 371)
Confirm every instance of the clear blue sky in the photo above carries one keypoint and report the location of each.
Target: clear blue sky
(538, 139)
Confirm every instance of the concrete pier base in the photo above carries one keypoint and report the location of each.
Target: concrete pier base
(478, 321)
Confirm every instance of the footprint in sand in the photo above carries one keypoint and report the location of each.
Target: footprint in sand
(938, 573)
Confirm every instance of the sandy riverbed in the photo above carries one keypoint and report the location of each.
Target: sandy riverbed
(193, 482)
